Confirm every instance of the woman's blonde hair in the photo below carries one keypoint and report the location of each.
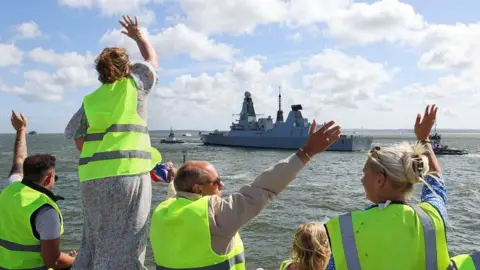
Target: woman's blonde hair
(112, 64)
(404, 164)
(311, 249)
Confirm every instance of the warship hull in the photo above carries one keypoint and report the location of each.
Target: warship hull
(251, 132)
(346, 143)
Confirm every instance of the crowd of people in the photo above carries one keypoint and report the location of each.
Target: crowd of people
(196, 227)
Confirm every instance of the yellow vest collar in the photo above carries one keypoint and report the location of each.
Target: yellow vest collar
(41, 189)
(188, 195)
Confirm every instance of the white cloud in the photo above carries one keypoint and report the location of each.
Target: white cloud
(202, 97)
(73, 71)
(296, 37)
(449, 46)
(441, 46)
(346, 83)
(309, 12)
(116, 8)
(174, 41)
(450, 113)
(347, 79)
(67, 59)
(233, 16)
(11, 55)
(385, 20)
(243, 16)
(28, 30)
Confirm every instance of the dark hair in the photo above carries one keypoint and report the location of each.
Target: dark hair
(112, 64)
(187, 177)
(35, 167)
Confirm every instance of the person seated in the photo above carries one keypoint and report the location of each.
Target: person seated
(31, 222)
(310, 250)
(199, 228)
(394, 234)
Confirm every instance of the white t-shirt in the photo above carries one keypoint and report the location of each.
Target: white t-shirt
(47, 221)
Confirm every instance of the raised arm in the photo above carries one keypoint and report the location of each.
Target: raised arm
(133, 31)
(234, 211)
(423, 127)
(19, 123)
(435, 193)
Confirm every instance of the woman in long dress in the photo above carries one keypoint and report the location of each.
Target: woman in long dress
(116, 209)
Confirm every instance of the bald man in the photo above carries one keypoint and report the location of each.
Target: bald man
(199, 228)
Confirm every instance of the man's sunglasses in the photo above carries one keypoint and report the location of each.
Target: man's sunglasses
(215, 182)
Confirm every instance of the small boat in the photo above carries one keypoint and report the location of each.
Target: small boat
(187, 135)
(443, 149)
(33, 132)
(171, 139)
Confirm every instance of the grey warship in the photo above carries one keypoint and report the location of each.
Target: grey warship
(264, 133)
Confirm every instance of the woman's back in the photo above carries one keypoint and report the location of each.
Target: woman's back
(389, 238)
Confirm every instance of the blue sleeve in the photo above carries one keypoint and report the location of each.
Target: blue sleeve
(437, 199)
(331, 264)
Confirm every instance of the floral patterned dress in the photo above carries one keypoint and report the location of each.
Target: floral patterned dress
(115, 209)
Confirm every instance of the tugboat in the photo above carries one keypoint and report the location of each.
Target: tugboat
(443, 149)
(171, 139)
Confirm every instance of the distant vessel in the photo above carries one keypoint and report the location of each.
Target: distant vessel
(443, 149)
(263, 133)
(187, 135)
(33, 132)
(171, 139)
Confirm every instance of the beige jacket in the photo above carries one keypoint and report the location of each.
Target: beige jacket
(228, 214)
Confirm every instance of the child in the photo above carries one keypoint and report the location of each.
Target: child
(310, 250)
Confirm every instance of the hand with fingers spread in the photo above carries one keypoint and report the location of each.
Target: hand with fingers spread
(19, 122)
(319, 140)
(423, 127)
(132, 29)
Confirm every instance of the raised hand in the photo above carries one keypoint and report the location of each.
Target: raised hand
(18, 122)
(132, 29)
(319, 140)
(423, 127)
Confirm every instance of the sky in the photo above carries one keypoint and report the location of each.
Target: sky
(371, 64)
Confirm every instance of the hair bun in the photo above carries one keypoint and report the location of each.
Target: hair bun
(418, 165)
(413, 167)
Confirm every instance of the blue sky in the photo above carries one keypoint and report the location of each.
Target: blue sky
(371, 64)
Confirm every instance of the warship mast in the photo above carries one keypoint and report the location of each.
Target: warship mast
(279, 112)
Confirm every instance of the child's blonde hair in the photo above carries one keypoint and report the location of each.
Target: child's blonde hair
(311, 248)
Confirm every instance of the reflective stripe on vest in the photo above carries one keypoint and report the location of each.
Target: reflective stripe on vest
(476, 259)
(117, 142)
(116, 128)
(17, 247)
(350, 247)
(225, 265)
(182, 227)
(115, 155)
